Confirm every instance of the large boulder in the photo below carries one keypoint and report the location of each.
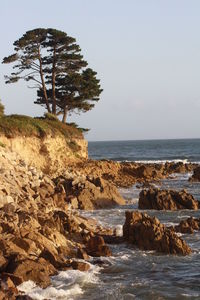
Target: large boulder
(88, 192)
(166, 200)
(196, 175)
(147, 233)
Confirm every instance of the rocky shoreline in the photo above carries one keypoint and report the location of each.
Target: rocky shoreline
(42, 231)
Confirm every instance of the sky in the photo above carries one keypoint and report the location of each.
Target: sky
(146, 54)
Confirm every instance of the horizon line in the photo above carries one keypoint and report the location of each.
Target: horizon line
(137, 140)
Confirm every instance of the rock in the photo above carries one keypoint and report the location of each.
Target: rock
(3, 263)
(188, 226)
(8, 290)
(81, 253)
(81, 266)
(196, 175)
(96, 247)
(147, 233)
(5, 200)
(166, 200)
(90, 192)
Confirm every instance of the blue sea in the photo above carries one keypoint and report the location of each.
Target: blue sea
(131, 273)
(147, 150)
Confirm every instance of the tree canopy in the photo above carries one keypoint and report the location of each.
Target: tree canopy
(52, 61)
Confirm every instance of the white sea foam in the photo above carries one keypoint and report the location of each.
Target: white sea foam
(119, 230)
(65, 285)
(163, 161)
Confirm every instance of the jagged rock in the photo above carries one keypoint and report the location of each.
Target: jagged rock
(148, 233)
(196, 175)
(38, 271)
(90, 193)
(188, 226)
(166, 200)
(96, 247)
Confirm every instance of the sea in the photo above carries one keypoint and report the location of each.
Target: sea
(131, 273)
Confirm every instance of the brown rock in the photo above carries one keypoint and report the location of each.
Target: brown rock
(81, 266)
(166, 200)
(96, 247)
(196, 175)
(188, 226)
(81, 253)
(38, 271)
(148, 233)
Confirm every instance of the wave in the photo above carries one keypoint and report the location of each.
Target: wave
(64, 286)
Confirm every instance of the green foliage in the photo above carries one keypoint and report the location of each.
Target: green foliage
(50, 116)
(1, 109)
(79, 128)
(19, 125)
(53, 62)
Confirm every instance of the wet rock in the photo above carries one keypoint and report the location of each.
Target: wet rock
(196, 175)
(38, 271)
(166, 200)
(188, 226)
(96, 247)
(81, 266)
(147, 233)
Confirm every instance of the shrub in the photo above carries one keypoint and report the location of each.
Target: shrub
(1, 109)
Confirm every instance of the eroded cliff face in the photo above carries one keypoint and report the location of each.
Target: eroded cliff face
(49, 154)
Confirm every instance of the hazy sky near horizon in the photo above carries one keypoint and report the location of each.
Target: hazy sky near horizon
(146, 53)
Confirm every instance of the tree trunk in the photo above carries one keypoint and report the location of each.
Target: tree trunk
(64, 119)
(43, 82)
(54, 82)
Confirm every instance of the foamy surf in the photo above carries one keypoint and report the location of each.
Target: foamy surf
(67, 285)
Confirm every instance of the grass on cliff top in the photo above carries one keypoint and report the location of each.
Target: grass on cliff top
(19, 125)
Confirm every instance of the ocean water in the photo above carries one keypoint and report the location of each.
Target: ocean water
(148, 150)
(131, 273)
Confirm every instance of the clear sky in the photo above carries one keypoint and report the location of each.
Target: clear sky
(146, 53)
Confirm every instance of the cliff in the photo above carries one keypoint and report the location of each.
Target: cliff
(46, 144)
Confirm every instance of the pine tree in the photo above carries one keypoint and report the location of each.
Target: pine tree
(52, 60)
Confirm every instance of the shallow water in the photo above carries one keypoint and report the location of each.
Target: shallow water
(131, 273)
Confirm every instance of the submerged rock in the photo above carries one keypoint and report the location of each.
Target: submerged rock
(166, 200)
(147, 233)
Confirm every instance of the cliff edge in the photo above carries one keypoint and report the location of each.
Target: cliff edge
(47, 144)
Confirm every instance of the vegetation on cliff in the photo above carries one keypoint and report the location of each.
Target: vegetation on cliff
(19, 125)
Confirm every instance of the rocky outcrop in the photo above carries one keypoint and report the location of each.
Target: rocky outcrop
(196, 175)
(166, 200)
(125, 174)
(39, 233)
(147, 233)
(88, 192)
(189, 225)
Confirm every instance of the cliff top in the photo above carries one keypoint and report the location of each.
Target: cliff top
(20, 125)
